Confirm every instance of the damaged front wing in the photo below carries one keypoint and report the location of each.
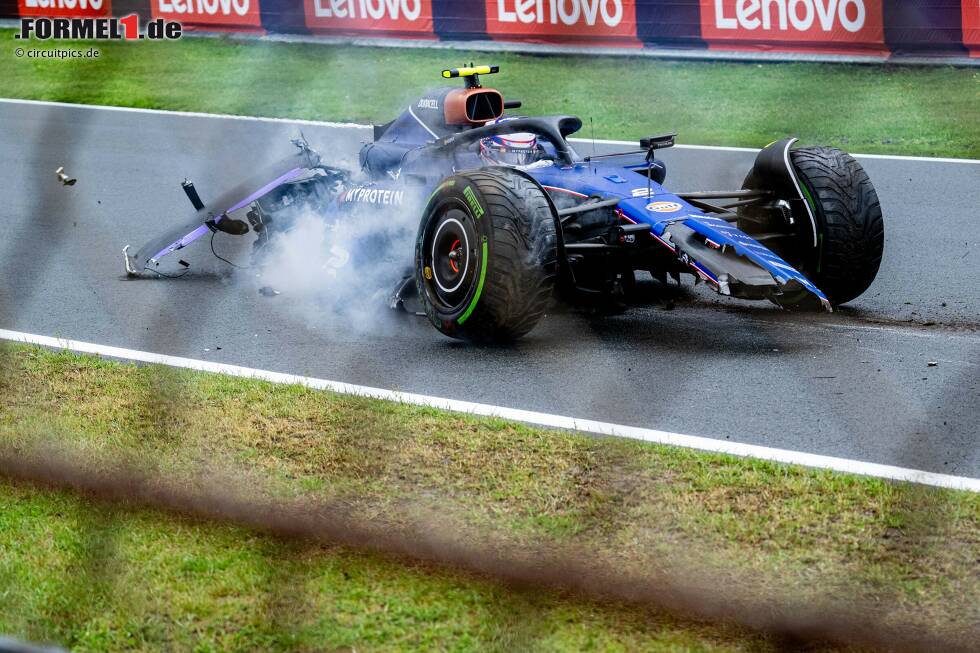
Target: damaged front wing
(738, 265)
(214, 215)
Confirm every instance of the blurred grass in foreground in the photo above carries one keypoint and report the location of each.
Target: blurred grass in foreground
(928, 111)
(92, 578)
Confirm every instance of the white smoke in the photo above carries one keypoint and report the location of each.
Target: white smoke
(341, 269)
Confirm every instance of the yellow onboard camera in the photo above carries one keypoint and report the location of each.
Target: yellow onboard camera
(471, 74)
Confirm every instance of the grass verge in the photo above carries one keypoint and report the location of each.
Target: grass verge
(98, 579)
(929, 111)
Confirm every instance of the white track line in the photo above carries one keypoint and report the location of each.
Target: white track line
(540, 419)
(185, 114)
(354, 125)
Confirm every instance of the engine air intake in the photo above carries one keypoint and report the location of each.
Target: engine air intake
(473, 106)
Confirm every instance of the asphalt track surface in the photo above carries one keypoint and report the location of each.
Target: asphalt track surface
(856, 384)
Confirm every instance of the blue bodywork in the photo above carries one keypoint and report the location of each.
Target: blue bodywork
(414, 153)
(413, 145)
(606, 181)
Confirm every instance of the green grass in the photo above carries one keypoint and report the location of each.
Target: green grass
(875, 109)
(99, 579)
(95, 580)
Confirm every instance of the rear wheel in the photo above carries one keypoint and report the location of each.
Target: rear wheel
(486, 256)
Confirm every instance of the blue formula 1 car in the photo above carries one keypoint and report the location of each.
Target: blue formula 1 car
(510, 216)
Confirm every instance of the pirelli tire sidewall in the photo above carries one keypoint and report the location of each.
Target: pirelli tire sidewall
(508, 284)
(451, 196)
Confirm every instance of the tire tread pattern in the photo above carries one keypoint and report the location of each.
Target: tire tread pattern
(849, 218)
(523, 258)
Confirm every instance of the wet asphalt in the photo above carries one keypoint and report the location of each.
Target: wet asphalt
(855, 384)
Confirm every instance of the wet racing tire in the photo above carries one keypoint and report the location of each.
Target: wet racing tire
(849, 224)
(486, 255)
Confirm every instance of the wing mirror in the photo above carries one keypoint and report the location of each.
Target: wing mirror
(658, 142)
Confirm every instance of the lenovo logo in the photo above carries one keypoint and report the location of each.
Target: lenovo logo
(561, 12)
(410, 17)
(837, 26)
(786, 15)
(83, 5)
(64, 7)
(587, 21)
(368, 9)
(204, 7)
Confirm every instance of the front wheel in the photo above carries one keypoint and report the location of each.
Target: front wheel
(486, 256)
(850, 227)
(840, 247)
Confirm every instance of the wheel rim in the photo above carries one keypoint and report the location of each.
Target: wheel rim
(448, 259)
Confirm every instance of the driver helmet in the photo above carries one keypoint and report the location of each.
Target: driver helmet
(518, 149)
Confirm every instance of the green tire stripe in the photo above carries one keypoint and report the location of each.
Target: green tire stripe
(813, 207)
(479, 288)
(809, 198)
